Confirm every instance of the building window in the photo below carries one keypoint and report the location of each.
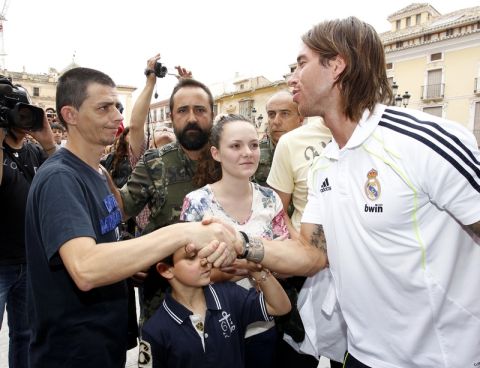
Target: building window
(434, 87)
(242, 86)
(434, 110)
(155, 115)
(389, 66)
(427, 38)
(215, 110)
(36, 91)
(399, 44)
(162, 114)
(418, 19)
(408, 21)
(398, 24)
(449, 32)
(436, 56)
(476, 122)
(245, 108)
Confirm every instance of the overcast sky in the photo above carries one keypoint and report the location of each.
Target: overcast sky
(214, 38)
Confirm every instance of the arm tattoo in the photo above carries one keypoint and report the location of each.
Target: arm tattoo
(318, 238)
(475, 228)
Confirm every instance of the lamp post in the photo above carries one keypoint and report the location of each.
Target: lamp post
(406, 99)
(400, 100)
(394, 88)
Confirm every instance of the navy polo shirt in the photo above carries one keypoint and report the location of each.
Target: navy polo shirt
(170, 340)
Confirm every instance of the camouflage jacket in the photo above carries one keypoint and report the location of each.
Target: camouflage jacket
(161, 180)
(266, 157)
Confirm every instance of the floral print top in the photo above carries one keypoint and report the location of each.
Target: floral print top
(266, 216)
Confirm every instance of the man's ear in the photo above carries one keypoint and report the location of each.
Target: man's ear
(339, 66)
(165, 270)
(215, 153)
(69, 114)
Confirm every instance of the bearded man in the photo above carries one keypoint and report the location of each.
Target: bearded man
(163, 176)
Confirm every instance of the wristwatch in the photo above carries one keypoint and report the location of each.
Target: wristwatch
(246, 246)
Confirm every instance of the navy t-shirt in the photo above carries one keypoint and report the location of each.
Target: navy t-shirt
(169, 339)
(68, 199)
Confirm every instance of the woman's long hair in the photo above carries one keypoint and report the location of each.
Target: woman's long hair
(120, 151)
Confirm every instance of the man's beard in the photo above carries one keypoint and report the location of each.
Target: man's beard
(192, 137)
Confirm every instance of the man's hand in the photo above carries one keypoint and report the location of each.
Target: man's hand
(241, 267)
(45, 136)
(216, 253)
(237, 239)
(151, 65)
(183, 73)
(213, 241)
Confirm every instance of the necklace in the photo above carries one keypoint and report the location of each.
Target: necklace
(199, 326)
(197, 322)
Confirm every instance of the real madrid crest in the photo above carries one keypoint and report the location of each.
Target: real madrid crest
(372, 186)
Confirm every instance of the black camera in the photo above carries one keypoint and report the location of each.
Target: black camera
(15, 108)
(160, 70)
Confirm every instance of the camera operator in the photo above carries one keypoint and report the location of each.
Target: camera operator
(20, 160)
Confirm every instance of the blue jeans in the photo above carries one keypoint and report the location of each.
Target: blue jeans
(13, 294)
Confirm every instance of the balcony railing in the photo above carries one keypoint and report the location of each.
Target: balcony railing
(476, 85)
(433, 91)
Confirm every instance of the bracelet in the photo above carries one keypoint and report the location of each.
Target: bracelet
(147, 72)
(263, 276)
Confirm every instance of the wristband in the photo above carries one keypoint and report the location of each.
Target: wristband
(264, 274)
(147, 72)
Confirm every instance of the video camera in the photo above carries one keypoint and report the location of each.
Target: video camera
(15, 108)
(160, 70)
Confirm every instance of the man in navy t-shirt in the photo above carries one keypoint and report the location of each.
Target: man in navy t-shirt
(76, 269)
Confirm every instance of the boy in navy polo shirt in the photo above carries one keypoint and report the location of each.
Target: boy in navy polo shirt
(201, 324)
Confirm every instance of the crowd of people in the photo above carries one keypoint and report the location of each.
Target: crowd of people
(354, 236)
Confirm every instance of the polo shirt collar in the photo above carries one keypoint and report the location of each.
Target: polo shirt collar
(363, 130)
(179, 313)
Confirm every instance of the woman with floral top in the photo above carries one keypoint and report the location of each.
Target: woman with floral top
(247, 206)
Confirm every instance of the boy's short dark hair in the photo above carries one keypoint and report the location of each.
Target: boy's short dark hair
(57, 126)
(168, 260)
